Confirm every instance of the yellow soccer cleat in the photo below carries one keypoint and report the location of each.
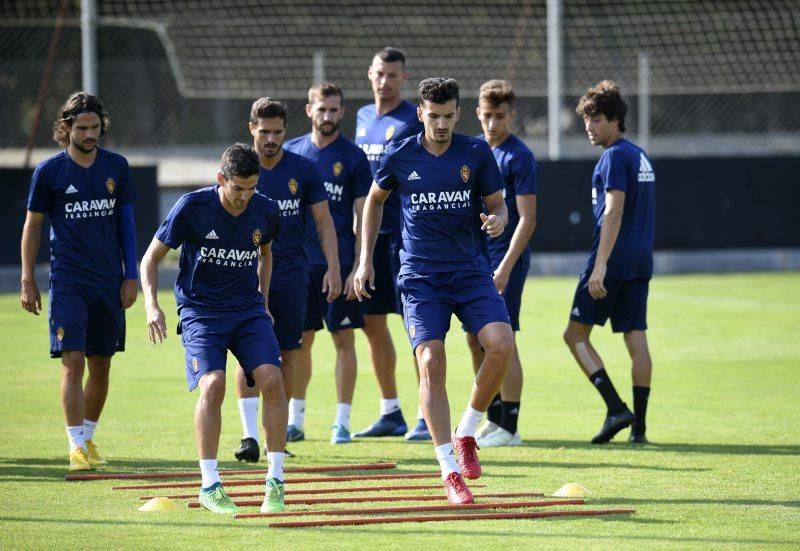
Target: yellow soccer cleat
(94, 456)
(78, 460)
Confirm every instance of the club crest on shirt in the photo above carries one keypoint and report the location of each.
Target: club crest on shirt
(337, 168)
(195, 365)
(256, 237)
(390, 132)
(293, 186)
(110, 185)
(60, 334)
(465, 173)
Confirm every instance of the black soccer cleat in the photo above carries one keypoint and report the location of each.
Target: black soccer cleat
(637, 438)
(612, 425)
(248, 451)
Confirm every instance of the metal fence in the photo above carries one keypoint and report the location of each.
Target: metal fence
(721, 78)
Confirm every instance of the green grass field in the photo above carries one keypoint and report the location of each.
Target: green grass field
(724, 420)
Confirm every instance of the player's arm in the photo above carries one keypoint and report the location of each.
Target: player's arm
(526, 206)
(349, 289)
(265, 273)
(496, 216)
(30, 298)
(126, 231)
(326, 232)
(156, 321)
(612, 220)
(373, 213)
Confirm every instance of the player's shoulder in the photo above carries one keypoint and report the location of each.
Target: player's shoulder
(366, 110)
(470, 142)
(53, 162)
(264, 204)
(297, 143)
(407, 108)
(406, 145)
(111, 156)
(517, 147)
(293, 157)
(623, 149)
(348, 147)
(199, 197)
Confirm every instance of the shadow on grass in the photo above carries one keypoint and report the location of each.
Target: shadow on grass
(693, 501)
(493, 464)
(717, 449)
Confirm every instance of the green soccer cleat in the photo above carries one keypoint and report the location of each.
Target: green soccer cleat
(217, 501)
(273, 497)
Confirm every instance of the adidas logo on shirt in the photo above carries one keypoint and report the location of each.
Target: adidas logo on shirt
(72, 189)
(646, 173)
(576, 312)
(212, 235)
(414, 176)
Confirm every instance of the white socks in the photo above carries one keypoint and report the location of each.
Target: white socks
(297, 412)
(447, 460)
(469, 422)
(75, 435)
(275, 462)
(248, 413)
(343, 415)
(209, 473)
(390, 406)
(88, 429)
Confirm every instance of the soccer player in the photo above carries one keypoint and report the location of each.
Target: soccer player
(509, 252)
(390, 118)
(88, 195)
(295, 183)
(616, 280)
(225, 233)
(347, 176)
(441, 178)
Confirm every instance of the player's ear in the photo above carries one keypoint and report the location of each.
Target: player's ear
(478, 112)
(419, 113)
(221, 178)
(252, 128)
(458, 112)
(308, 110)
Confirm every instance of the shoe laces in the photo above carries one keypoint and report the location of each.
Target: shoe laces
(468, 448)
(275, 491)
(219, 497)
(457, 483)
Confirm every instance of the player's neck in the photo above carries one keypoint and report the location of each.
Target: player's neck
(270, 162)
(497, 141)
(83, 159)
(435, 148)
(387, 106)
(320, 141)
(613, 138)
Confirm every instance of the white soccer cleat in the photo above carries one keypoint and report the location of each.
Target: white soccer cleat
(487, 428)
(500, 437)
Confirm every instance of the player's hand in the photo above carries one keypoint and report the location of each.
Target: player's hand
(127, 292)
(492, 225)
(501, 278)
(596, 288)
(332, 284)
(349, 288)
(365, 276)
(156, 324)
(30, 298)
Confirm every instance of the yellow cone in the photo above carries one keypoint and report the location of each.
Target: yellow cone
(572, 489)
(159, 504)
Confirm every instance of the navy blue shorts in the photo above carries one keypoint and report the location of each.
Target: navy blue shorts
(625, 304)
(285, 306)
(207, 336)
(386, 263)
(85, 319)
(337, 315)
(430, 300)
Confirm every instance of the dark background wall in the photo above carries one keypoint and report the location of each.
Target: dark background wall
(702, 203)
(15, 183)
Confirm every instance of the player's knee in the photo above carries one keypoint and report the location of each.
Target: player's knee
(431, 366)
(500, 347)
(212, 387)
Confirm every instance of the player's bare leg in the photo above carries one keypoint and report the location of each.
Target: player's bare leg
(346, 370)
(618, 416)
(208, 413)
(498, 345)
(96, 390)
(432, 390)
(493, 413)
(274, 413)
(382, 354)
(641, 372)
(72, 397)
(301, 376)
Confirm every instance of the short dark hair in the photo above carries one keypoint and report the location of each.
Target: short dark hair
(324, 90)
(267, 108)
(77, 103)
(604, 99)
(239, 160)
(497, 91)
(390, 55)
(438, 90)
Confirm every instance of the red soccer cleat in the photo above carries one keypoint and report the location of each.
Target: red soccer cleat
(467, 455)
(456, 490)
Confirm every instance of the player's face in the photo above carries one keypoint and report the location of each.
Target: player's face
(85, 132)
(387, 78)
(600, 130)
(439, 120)
(237, 192)
(268, 136)
(495, 121)
(326, 114)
